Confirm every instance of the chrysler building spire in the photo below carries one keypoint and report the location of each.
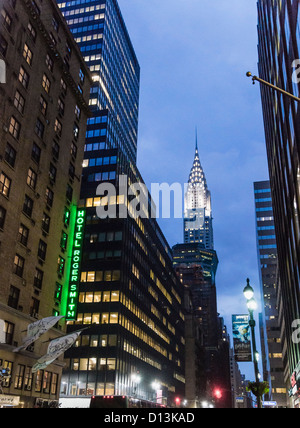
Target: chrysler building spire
(197, 207)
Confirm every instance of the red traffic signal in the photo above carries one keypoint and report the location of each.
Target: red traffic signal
(177, 401)
(218, 393)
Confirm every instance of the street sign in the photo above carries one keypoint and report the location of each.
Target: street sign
(269, 403)
(9, 400)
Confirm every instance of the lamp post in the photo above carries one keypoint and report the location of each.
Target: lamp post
(252, 306)
(258, 79)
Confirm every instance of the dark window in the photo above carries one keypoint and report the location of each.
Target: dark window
(42, 250)
(31, 31)
(52, 172)
(73, 150)
(55, 150)
(39, 128)
(19, 102)
(10, 155)
(55, 23)
(3, 45)
(49, 197)
(61, 106)
(43, 105)
(28, 206)
(23, 234)
(36, 153)
(71, 170)
(13, 298)
(38, 278)
(7, 21)
(18, 265)
(9, 329)
(35, 306)
(49, 63)
(69, 192)
(2, 217)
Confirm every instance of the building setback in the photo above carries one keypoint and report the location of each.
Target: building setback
(278, 48)
(44, 108)
(268, 270)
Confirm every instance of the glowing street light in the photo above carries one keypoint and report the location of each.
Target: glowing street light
(252, 306)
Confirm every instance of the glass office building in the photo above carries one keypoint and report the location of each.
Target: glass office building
(129, 296)
(101, 34)
(268, 271)
(279, 53)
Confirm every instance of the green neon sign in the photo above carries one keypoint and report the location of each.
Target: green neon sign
(73, 292)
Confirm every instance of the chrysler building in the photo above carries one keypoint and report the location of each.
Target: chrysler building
(197, 207)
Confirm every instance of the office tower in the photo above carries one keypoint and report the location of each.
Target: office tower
(268, 270)
(44, 108)
(196, 268)
(129, 296)
(278, 48)
(197, 207)
(101, 34)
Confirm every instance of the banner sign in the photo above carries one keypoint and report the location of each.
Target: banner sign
(56, 348)
(2, 332)
(241, 338)
(73, 292)
(36, 330)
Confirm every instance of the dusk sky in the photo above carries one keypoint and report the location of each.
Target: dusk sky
(194, 55)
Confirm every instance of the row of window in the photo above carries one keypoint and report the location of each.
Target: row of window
(98, 276)
(101, 176)
(116, 318)
(5, 187)
(108, 160)
(44, 381)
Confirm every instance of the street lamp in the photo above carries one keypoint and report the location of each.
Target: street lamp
(258, 79)
(252, 306)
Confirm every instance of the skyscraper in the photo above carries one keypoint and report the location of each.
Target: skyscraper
(129, 296)
(100, 32)
(44, 108)
(197, 207)
(196, 262)
(279, 50)
(268, 270)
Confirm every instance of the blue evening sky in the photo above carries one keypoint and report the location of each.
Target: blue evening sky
(194, 55)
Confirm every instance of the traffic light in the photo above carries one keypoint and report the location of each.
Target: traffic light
(218, 393)
(177, 401)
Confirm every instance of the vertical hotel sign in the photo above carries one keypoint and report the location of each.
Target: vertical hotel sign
(73, 292)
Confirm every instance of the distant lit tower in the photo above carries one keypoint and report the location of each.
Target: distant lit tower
(197, 207)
